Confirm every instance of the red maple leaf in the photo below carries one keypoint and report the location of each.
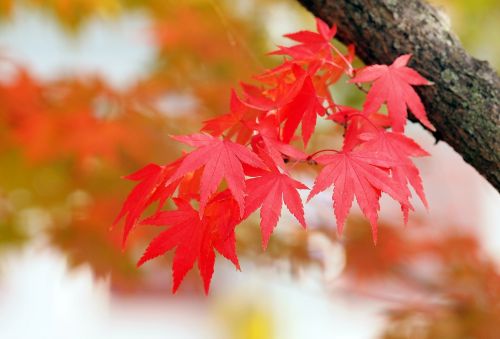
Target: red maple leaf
(269, 191)
(151, 187)
(221, 159)
(304, 108)
(401, 148)
(357, 174)
(311, 45)
(195, 239)
(392, 84)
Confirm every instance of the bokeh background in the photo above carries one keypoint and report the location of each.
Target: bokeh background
(90, 90)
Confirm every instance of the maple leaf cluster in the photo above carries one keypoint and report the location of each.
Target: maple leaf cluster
(242, 160)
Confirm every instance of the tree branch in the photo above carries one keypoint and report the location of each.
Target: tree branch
(464, 103)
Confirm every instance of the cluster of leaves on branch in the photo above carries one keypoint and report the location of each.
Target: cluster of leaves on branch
(254, 148)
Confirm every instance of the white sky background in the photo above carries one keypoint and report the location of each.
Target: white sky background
(39, 298)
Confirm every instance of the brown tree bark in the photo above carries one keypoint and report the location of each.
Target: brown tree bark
(464, 103)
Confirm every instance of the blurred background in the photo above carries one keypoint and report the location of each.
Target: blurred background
(90, 91)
